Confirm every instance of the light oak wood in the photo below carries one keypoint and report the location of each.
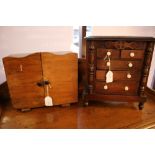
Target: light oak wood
(62, 73)
(27, 78)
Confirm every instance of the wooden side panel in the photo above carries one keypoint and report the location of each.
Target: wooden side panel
(62, 73)
(22, 76)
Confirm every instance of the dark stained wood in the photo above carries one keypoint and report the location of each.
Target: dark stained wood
(82, 52)
(126, 38)
(118, 75)
(117, 88)
(119, 64)
(4, 92)
(138, 54)
(121, 47)
(102, 53)
(81, 75)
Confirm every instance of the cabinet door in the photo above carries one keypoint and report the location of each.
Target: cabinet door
(61, 71)
(23, 74)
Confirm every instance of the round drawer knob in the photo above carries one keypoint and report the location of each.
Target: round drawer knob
(132, 54)
(105, 87)
(108, 63)
(108, 53)
(130, 65)
(126, 88)
(129, 76)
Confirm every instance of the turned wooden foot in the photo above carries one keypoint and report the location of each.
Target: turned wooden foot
(141, 105)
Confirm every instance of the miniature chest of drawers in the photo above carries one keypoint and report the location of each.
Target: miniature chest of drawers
(30, 76)
(128, 58)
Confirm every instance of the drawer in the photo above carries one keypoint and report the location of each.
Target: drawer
(101, 53)
(117, 88)
(132, 54)
(112, 44)
(119, 75)
(120, 65)
(115, 44)
(135, 45)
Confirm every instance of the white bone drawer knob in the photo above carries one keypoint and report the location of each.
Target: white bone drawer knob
(105, 87)
(130, 65)
(108, 63)
(108, 53)
(129, 76)
(132, 54)
(126, 88)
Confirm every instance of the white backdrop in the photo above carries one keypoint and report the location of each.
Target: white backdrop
(28, 39)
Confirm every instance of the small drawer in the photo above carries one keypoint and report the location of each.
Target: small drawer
(132, 54)
(113, 53)
(119, 65)
(117, 88)
(135, 45)
(119, 75)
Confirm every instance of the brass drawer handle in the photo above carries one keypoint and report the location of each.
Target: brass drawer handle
(129, 76)
(130, 65)
(105, 87)
(126, 88)
(132, 54)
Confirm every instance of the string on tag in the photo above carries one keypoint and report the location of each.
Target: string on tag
(48, 99)
(109, 75)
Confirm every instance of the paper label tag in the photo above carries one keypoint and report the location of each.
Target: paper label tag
(48, 101)
(109, 77)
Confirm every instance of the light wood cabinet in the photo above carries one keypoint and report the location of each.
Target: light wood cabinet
(29, 76)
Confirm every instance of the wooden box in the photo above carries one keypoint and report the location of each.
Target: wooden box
(29, 76)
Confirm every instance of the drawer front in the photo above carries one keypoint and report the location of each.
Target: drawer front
(119, 75)
(132, 54)
(117, 88)
(101, 53)
(136, 45)
(120, 65)
(115, 44)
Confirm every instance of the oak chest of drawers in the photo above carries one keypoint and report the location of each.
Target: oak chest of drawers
(128, 58)
(32, 77)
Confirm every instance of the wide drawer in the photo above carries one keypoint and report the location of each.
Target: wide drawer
(120, 65)
(117, 88)
(115, 44)
(132, 54)
(101, 53)
(118, 75)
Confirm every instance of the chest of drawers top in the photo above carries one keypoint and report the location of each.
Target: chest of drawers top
(121, 38)
(126, 43)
